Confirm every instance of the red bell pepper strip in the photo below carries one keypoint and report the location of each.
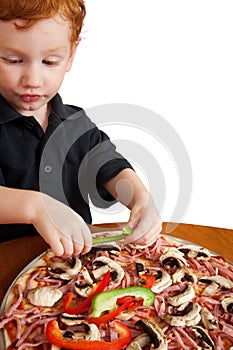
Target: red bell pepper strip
(55, 336)
(147, 280)
(87, 302)
(122, 300)
(128, 304)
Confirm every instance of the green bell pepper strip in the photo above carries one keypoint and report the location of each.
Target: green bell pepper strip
(55, 336)
(128, 304)
(87, 302)
(112, 238)
(107, 300)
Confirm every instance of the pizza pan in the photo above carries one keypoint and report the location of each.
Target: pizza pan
(28, 266)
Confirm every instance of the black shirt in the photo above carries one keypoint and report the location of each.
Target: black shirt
(70, 161)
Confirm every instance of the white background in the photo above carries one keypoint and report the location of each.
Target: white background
(175, 58)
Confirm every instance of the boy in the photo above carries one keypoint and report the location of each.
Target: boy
(38, 41)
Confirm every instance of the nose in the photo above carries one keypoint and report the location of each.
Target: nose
(32, 76)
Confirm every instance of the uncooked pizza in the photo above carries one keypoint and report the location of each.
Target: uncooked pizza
(170, 295)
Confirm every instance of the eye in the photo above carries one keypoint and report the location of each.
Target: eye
(12, 60)
(50, 62)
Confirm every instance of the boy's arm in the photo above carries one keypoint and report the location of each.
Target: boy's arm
(128, 189)
(62, 228)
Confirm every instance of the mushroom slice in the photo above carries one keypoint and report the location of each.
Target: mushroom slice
(189, 316)
(227, 305)
(88, 332)
(85, 289)
(214, 283)
(139, 268)
(65, 270)
(86, 275)
(204, 338)
(102, 264)
(163, 280)
(173, 257)
(72, 320)
(208, 319)
(193, 251)
(156, 334)
(125, 316)
(184, 274)
(186, 295)
(139, 342)
(112, 248)
(44, 296)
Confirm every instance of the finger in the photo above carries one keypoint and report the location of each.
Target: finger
(57, 247)
(78, 248)
(68, 246)
(145, 237)
(148, 239)
(87, 239)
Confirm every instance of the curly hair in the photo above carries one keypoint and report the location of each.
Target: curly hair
(31, 11)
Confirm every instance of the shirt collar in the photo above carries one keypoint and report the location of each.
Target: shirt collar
(8, 113)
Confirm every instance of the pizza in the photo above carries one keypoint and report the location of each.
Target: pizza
(170, 295)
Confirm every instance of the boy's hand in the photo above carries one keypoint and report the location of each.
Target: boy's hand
(145, 221)
(61, 227)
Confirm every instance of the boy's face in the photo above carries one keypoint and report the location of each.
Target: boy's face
(33, 62)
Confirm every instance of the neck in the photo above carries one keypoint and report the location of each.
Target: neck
(42, 116)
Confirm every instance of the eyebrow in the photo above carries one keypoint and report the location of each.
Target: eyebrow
(12, 50)
(59, 48)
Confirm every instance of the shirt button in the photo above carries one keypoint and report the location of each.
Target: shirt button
(48, 169)
(30, 125)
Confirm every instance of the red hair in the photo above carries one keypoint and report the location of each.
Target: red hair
(33, 10)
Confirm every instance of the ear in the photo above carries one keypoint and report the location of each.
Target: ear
(72, 54)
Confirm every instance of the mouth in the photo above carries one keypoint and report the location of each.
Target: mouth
(30, 98)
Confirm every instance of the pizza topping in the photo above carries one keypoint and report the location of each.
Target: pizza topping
(71, 320)
(44, 296)
(139, 342)
(65, 270)
(163, 280)
(113, 248)
(126, 303)
(186, 295)
(83, 331)
(156, 334)
(208, 319)
(164, 269)
(102, 264)
(227, 305)
(139, 268)
(87, 302)
(86, 288)
(184, 316)
(68, 341)
(204, 338)
(147, 280)
(107, 300)
(214, 284)
(172, 257)
(86, 331)
(192, 251)
(184, 274)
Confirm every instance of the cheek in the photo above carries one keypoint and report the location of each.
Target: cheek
(54, 80)
(8, 77)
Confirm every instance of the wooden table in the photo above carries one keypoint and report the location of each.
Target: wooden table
(16, 254)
